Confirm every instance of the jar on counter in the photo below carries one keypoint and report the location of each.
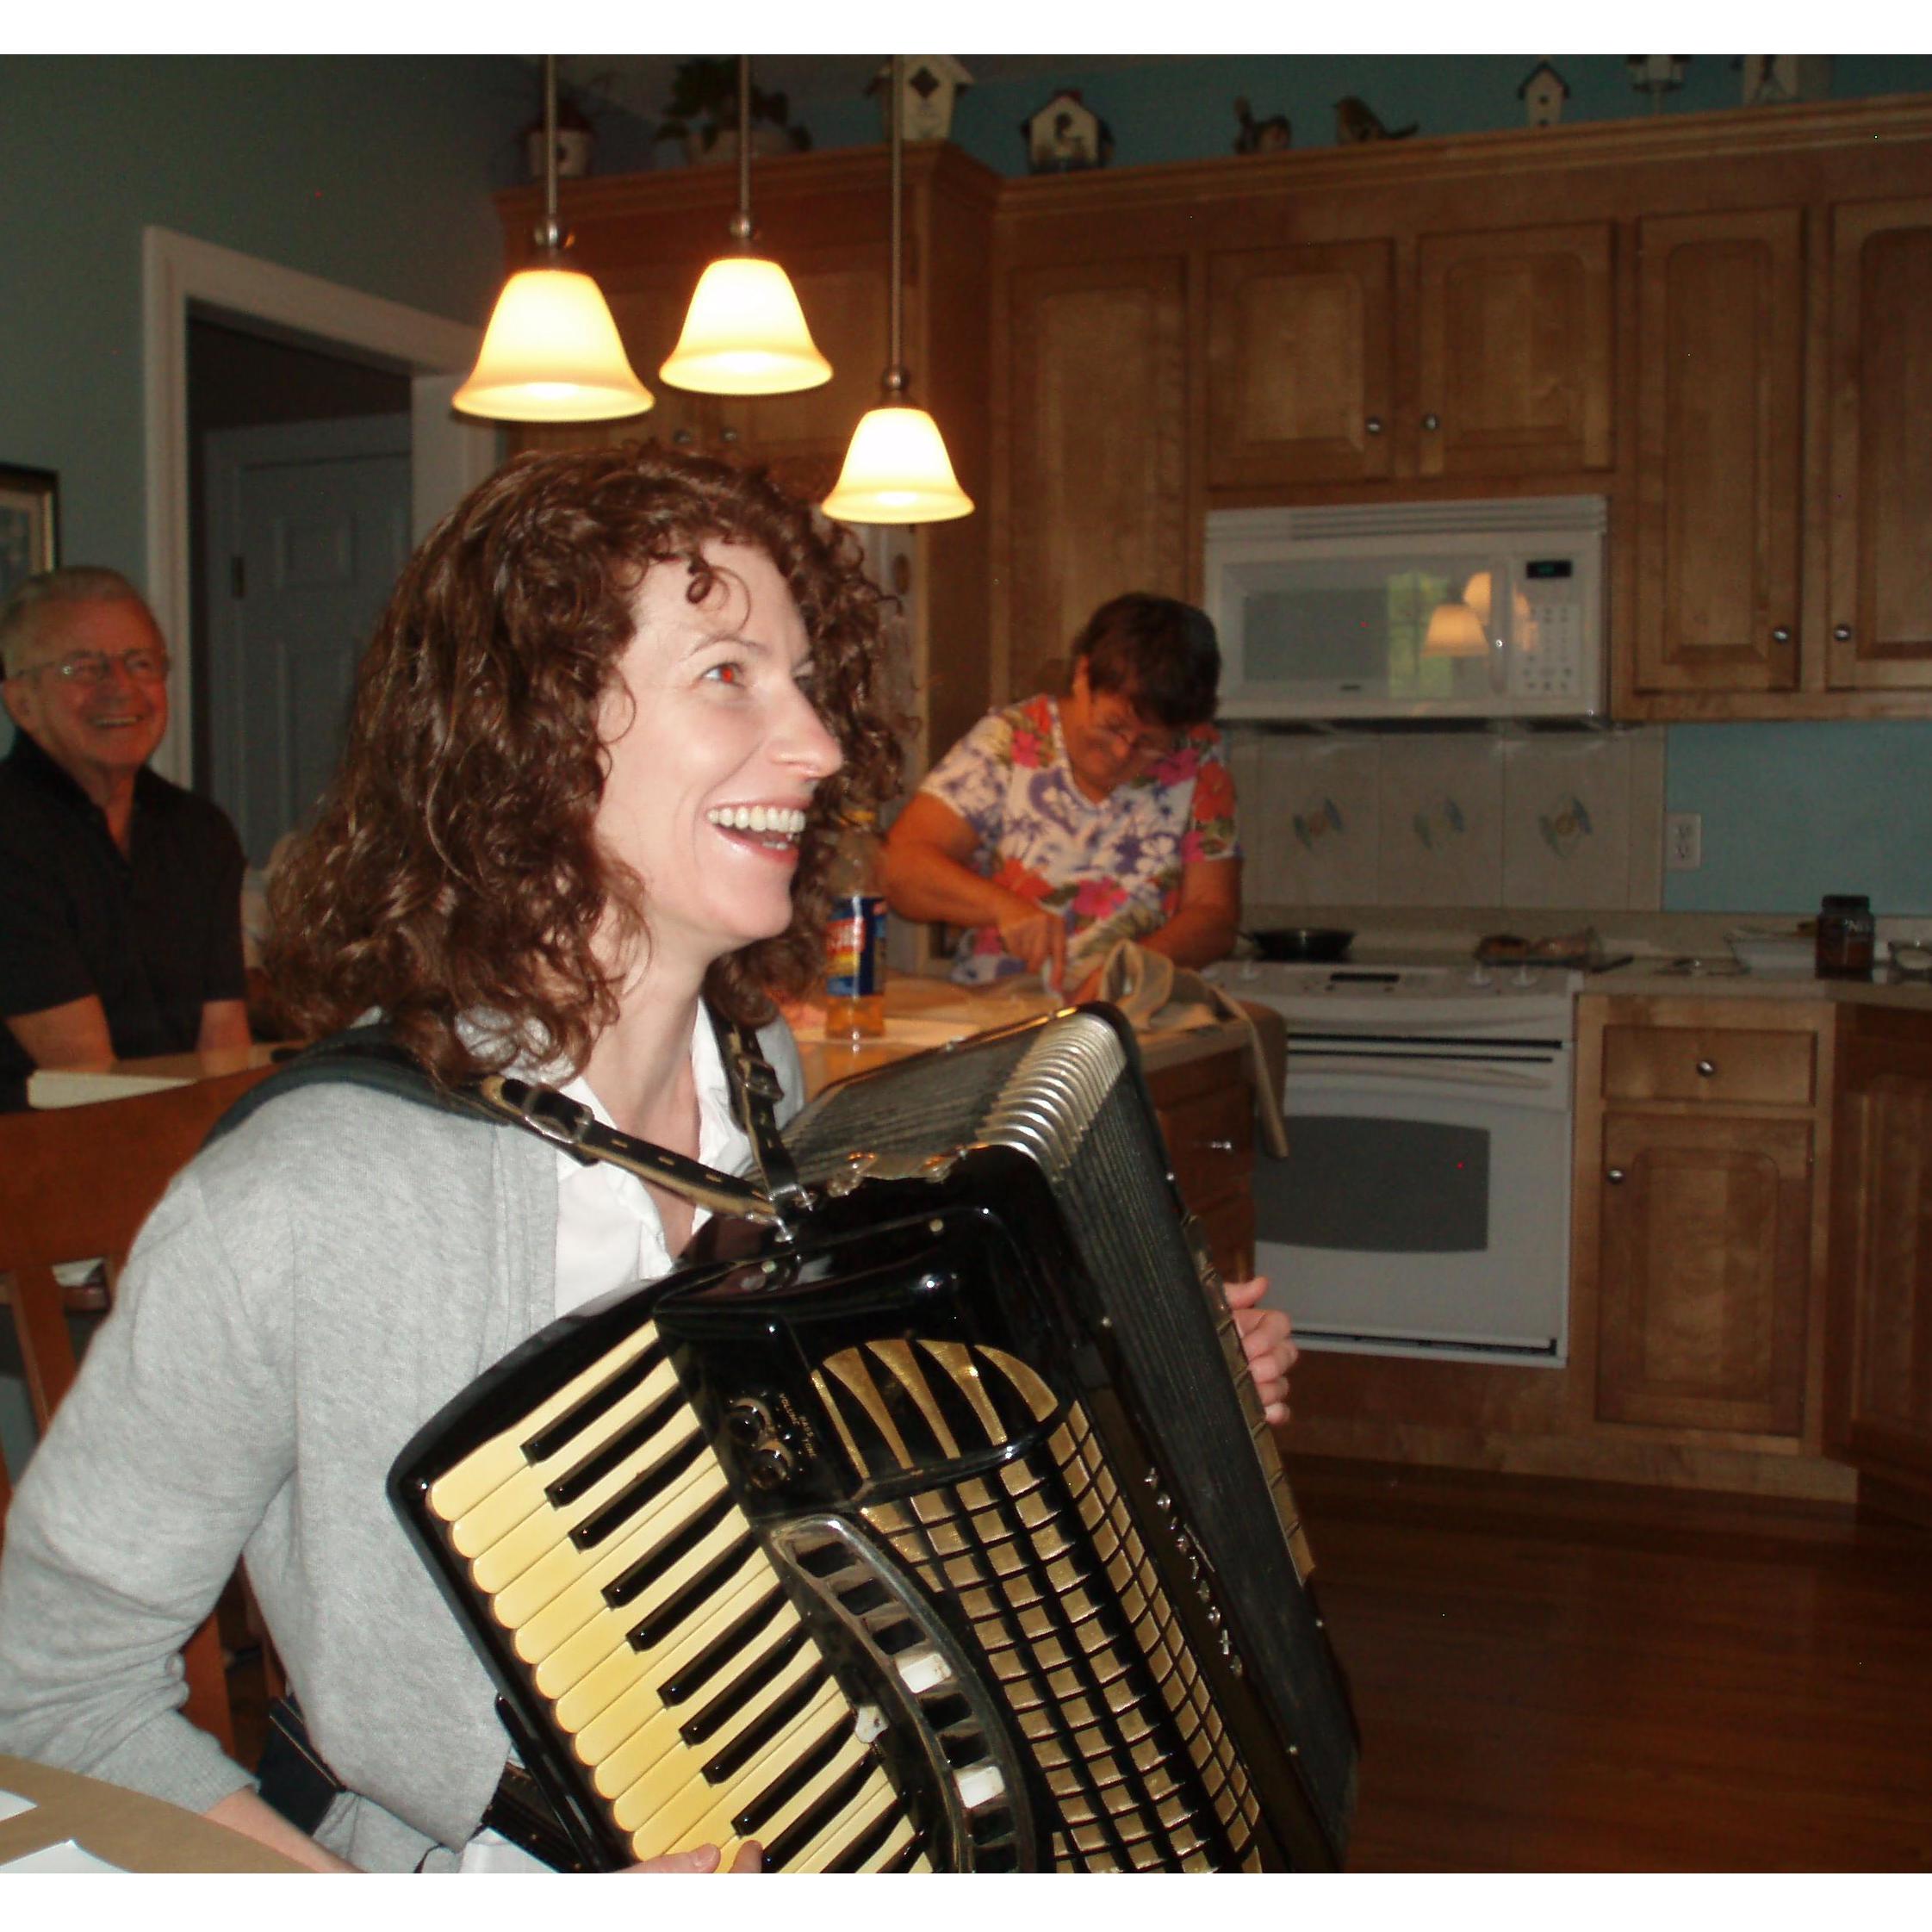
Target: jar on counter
(1846, 933)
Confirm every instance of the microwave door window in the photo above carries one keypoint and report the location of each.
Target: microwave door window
(1363, 629)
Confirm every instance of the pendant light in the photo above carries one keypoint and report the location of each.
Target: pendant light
(897, 469)
(551, 353)
(745, 334)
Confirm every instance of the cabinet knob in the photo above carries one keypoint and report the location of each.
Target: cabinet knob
(727, 434)
(683, 439)
(1842, 632)
(1706, 1069)
(1615, 1177)
(1782, 635)
(1431, 420)
(1374, 425)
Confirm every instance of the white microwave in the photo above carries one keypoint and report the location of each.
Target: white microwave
(1451, 609)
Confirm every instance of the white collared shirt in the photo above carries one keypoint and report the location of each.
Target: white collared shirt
(608, 1229)
(609, 1233)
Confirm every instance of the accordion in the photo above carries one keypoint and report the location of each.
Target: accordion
(939, 1531)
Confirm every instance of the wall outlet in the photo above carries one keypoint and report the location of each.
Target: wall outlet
(1683, 841)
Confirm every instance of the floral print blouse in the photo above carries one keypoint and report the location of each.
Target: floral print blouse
(1112, 870)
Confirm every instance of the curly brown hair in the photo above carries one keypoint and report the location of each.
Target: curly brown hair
(453, 869)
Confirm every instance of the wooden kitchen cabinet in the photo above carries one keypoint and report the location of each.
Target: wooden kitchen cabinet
(1700, 1213)
(1094, 446)
(1301, 381)
(1879, 1359)
(1879, 386)
(1720, 433)
(1514, 352)
(1206, 1111)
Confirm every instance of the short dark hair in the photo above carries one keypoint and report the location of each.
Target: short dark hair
(454, 871)
(1157, 652)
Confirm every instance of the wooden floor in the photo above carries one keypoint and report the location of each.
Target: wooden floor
(1558, 1676)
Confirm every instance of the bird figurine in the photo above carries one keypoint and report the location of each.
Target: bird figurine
(1355, 120)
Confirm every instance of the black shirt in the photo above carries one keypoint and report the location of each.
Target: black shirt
(155, 933)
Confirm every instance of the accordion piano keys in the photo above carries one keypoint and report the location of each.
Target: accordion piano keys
(628, 1583)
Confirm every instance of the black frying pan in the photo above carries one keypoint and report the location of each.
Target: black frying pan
(1303, 943)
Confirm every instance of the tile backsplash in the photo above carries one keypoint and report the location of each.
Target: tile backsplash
(1451, 818)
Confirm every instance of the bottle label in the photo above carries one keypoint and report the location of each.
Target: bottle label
(855, 947)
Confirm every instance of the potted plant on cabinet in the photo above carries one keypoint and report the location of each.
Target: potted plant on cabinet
(702, 113)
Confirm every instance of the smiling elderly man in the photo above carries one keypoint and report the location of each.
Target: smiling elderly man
(120, 893)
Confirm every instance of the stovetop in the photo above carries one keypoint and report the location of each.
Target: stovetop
(1409, 995)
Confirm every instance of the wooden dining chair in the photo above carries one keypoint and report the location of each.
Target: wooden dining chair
(76, 1184)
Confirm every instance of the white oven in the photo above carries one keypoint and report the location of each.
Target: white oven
(1423, 1207)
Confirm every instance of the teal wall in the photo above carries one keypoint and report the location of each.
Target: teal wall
(373, 172)
(1183, 110)
(1792, 811)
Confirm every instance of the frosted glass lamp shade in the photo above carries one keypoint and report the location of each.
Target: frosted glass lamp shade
(897, 470)
(745, 334)
(1455, 630)
(551, 354)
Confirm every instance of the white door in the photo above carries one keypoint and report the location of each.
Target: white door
(308, 525)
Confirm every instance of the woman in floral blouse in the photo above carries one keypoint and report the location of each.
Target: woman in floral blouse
(1057, 827)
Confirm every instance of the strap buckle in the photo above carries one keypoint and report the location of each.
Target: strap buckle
(554, 1117)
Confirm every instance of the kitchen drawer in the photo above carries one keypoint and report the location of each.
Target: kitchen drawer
(1715, 1064)
(1210, 1143)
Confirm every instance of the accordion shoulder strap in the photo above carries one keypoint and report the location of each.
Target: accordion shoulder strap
(367, 1056)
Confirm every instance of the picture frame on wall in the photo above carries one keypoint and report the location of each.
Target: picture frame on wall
(30, 525)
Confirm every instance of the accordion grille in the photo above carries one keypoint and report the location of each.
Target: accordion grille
(1044, 1561)
(599, 1535)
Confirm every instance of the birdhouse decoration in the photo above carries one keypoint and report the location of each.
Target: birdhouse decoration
(1064, 135)
(1770, 79)
(932, 85)
(1543, 92)
(1656, 74)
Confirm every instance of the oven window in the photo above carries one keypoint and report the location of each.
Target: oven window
(1376, 1187)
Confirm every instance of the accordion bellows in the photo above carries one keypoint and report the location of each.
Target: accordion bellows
(941, 1533)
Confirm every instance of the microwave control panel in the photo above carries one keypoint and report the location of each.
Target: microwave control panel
(1548, 660)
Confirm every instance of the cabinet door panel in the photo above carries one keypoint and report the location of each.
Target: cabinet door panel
(1721, 305)
(1704, 1266)
(1881, 454)
(1879, 1376)
(1099, 448)
(1515, 352)
(845, 303)
(1298, 363)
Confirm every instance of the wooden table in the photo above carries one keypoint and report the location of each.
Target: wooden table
(77, 1086)
(136, 1833)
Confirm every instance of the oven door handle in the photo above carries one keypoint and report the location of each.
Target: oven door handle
(1388, 1076)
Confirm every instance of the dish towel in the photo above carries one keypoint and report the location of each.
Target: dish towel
(1158, 995)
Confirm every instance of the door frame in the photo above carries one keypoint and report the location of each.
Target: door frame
(447, 454)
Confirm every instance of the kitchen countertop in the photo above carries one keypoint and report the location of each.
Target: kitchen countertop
(1651, 979)
(922, 1013)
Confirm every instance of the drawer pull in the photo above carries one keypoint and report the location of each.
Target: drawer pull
(1615, 1177)
(1706, 1069)
(1220, 1147)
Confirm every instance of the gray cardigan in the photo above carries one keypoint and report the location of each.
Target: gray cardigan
(309, 1291)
